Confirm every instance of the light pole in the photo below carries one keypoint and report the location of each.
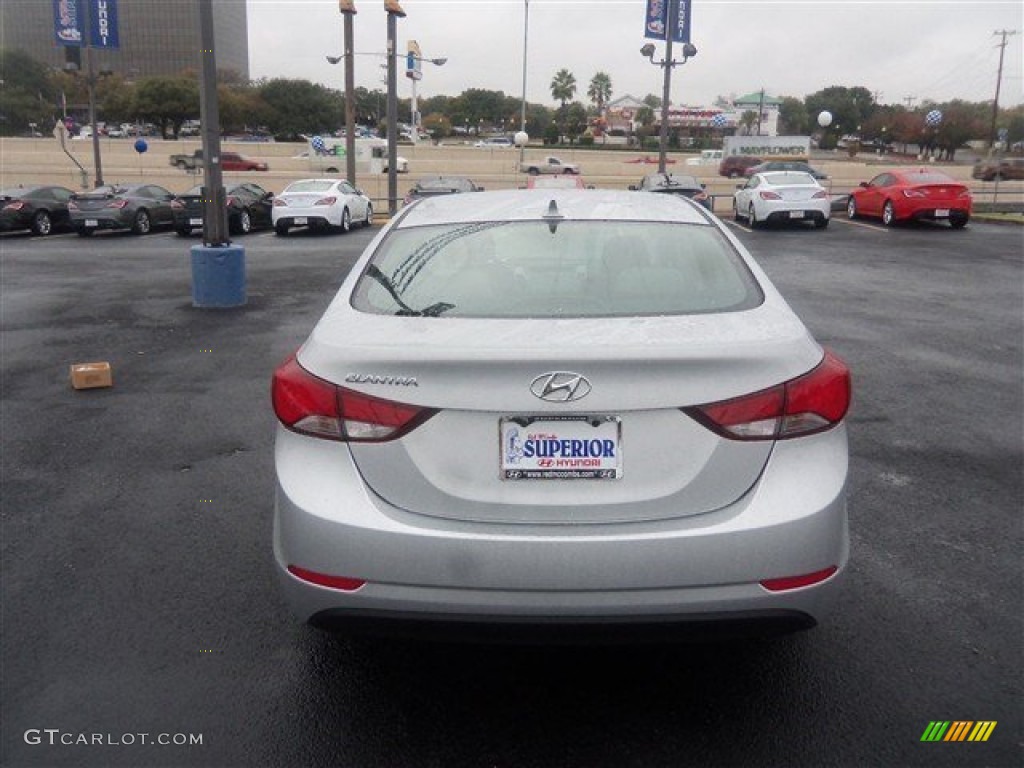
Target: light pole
(668, 63)
(412, 71)
(394, 11)
(522, 137)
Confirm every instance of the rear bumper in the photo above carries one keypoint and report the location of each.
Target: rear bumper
(102, 221)
(687, 571)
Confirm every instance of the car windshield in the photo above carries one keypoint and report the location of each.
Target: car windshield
(311, 185)
(542, 270)
(444, 183)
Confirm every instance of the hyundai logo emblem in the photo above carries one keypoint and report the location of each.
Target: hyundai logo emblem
(560, 386)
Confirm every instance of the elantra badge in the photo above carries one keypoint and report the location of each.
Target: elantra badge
(560, 386)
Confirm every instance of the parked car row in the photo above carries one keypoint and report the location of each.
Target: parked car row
(893, 196)
(140, 208)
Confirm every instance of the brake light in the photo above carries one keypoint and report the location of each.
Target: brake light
(770, 196)
(914, 193)
(310, 405)
(177, 204)
(117, 204)
(17, 205)
(811, 403)
(72, 205)
(795, 582)
(344, 583)
(230, 201)
(279, 203)
(326, 201)
(820, 195)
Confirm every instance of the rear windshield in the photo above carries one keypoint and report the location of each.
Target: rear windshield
(431, 185)
(313, 185)
(580, 269)
(790, 179)
(930, 178)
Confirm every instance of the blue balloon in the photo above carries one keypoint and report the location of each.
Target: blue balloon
(141, 146)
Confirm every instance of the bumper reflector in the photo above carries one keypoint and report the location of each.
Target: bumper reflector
(343, 583)
(795, 582)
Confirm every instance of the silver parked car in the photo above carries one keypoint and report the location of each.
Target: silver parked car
(543, 408)
(321, 204)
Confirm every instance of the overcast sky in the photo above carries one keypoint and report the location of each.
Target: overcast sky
(900, 49)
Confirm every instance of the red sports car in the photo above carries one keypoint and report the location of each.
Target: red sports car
(912, 193)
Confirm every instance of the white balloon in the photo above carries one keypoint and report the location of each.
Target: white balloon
(521, 138)
(825, 119)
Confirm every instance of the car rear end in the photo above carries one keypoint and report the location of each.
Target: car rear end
(585, 410)
(313, 202)
(792, 196)
(189, 210)
(102, 208)
(930, 195)
(16, 210)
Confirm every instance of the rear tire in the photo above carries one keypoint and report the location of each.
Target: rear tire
(888, 214)
(369, 216)
(958, 222)
(244, 222)
(533, 172)
(752, 217)
(142, 225)
(42, 225)
(851, 208)
(83, 232)
(821, 223)
(281, 230)
(346, 220)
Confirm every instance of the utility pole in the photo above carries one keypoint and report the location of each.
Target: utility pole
(910, 101)
(1004, 33)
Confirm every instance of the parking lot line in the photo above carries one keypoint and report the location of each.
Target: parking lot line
(736, 224)
(863, 225)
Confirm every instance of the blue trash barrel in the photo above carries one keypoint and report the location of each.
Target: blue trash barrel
(218, 276)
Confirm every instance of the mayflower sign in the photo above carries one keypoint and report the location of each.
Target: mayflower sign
(769, 147)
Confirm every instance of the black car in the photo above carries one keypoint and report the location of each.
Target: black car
(441, 185)
(673, 184)
(41, 209)
(136, 207)
(249, 207)
(784, 165)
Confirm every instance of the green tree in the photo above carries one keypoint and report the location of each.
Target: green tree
(297, 107)
(575, 120)
(747, 121)
(793, 119)
(600, 90)
(27, 95)
(563, 87)
(850, 108)
(437, 125)
(167, 102)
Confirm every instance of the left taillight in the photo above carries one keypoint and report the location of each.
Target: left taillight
(117, 203)
(310, 405)
(17, 205)
(811, 403)
(765, 195)
(326, 201)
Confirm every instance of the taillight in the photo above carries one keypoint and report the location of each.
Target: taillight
(811, 403)
(230, 201)
(279, 203)
(770, 196)
(117, 204)
(177, 205)
(820, 195)
(326, 201)
(72, 205)
(312, 406)
(17, 205)
(914, 193)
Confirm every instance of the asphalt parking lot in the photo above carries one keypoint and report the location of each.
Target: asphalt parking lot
(139, 596)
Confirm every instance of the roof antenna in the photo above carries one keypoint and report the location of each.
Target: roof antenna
(553, 217)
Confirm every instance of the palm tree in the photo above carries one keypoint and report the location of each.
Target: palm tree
(747, 120)
(563, 88)
(600, 90)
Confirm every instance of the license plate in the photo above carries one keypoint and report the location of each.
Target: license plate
(796, 214)
(300, 220)
(91, 223)
(560, 447)
(195, 222)
(942, 213)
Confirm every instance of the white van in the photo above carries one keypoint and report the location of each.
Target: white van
(707, 157)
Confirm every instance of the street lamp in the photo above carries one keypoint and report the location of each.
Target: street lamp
(668, 63)
(394, 12)
(414, 74)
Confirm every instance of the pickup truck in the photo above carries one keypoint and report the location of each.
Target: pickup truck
(548, 165)
(229, 161)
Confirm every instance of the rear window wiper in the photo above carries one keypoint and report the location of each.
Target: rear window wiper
(433, 310)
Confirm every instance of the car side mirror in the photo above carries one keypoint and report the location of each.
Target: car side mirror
(863, 184)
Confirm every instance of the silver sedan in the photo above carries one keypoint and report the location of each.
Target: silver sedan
(546, 408)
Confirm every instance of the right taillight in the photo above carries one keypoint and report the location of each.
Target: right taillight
(312, 406)
(811, 403)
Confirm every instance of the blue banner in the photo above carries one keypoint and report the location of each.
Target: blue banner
(103, 23)
(657, 17)
(69, 24)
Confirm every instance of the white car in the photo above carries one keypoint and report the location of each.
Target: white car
(495, 142)
(782, 196)
(321, 203)
(565, 411)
